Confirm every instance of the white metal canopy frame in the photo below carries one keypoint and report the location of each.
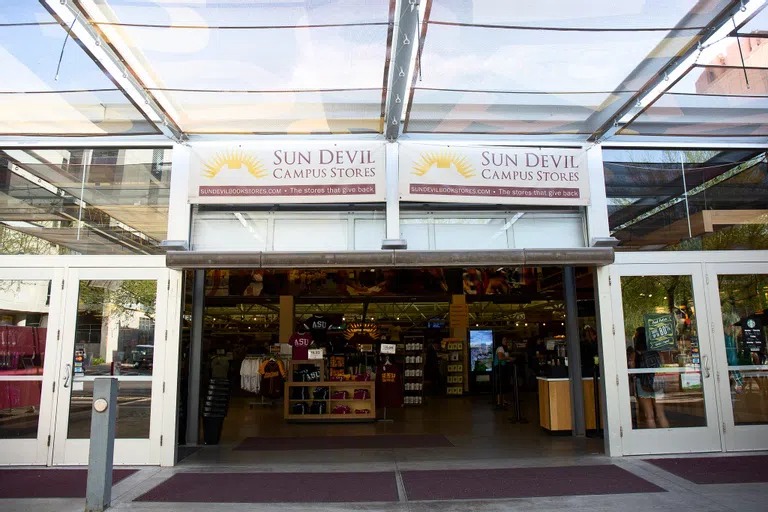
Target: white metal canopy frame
(578, 71)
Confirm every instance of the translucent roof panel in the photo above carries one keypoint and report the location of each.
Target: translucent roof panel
(604, 50)
(450, 111)
(202, 60)
(357, 111)
(261, 13)
(82, 100)
(758, 23)
(709, 101)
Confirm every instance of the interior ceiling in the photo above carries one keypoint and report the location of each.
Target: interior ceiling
(565, 68)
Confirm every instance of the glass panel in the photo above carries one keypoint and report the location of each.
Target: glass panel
(311, 234)
(246, 13)
(350, 57)
(348, 111)
(134, 401)
(663, 352)
(743, 300)
(77, 99)
(576, 13)
(229, 231)
(23, 329)
(758, 23)
(114, 335)
(369, 234)
(469, 234)
(687, 199)
(458, 111)
(124, 206)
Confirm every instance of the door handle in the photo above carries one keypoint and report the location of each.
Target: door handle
(67, 375)
(707, 371)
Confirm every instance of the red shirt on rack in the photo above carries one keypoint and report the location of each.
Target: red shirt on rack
(389, 386)
(300, 341)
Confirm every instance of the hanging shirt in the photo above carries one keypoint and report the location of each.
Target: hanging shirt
(389, 386)
(318, 328)
(272, 378)
(300, 341)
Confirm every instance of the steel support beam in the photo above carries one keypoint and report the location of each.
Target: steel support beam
(405, 44)
(574, 353)
(668, 75)
(195, 358)
(67, 12)
(585, 256)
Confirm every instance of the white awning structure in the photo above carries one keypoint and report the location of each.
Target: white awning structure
(562, 70)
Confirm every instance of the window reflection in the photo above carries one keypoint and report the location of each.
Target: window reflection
(664, 357)
(84, 201)
(23, 330)
(743, 299)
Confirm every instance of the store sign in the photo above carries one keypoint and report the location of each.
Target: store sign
(496, 175)
(315, 353)
(458, 316)
(388, 348)
(660, 331)
(287, 173)
(753, 334)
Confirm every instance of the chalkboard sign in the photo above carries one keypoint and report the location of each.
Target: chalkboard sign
(660, 331)
(754, 339)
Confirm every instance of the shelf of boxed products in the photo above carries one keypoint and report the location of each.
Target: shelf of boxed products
(413, 377)
(455, 379)
(355, 401)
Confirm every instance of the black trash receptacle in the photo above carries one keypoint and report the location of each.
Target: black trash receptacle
(215, 408)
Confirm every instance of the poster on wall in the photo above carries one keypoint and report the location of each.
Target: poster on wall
(287, 173)
(752, 328)
(493, 175)
(660, 331)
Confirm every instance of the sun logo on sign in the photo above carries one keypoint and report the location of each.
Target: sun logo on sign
(445, 159)
(233, 160)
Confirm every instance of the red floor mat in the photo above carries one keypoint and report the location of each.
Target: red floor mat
(717, 470)
(275, 488)
(377, 442)
(523, 483)
(49, 483)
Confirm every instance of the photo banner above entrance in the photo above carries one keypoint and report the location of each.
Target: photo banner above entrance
(493, 174)
(287, 173)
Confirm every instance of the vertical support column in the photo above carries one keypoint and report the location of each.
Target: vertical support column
(287, 318)
(393, 190)
(574, 352)
(461, 333)
(179, 212)
(598, 226)
(195, 358)
(98, 493)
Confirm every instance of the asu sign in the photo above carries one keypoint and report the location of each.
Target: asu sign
(287, 173)
(493, 175)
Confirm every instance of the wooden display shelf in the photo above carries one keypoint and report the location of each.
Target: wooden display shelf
(362, 403)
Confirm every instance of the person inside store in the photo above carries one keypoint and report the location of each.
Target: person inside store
(502, 363)
(649, 388)
(588, 351)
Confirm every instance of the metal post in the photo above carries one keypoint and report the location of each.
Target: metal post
(574, 352)
(98, 493)
(195, 358)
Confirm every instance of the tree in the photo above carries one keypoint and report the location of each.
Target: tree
(120, 298)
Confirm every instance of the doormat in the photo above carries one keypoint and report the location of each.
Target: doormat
(275, 488)
(49, 483)
(717, 470)
(523, 483)
(375, 442)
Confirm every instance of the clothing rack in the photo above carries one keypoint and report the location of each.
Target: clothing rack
(262, 402)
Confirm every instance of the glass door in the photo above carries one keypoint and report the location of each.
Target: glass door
(739, 325)
(114, 325)
(30, 303)
(667, 390)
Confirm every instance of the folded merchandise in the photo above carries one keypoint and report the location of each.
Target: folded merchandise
(318, 408)
(341, 409)
(362, 377)
(340, 395)
(320, 393)
(362, 394)
(299, 393)
(362, 411)
(300, 408)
